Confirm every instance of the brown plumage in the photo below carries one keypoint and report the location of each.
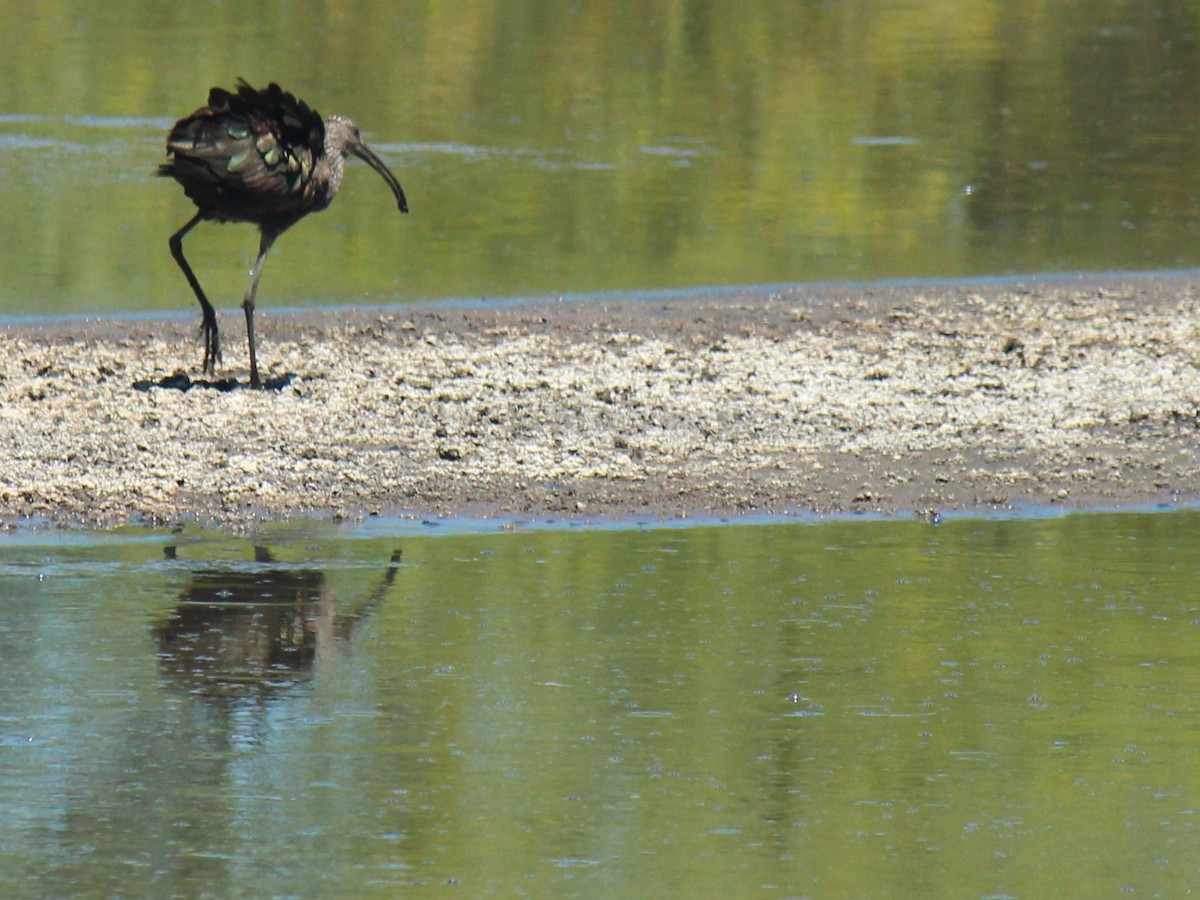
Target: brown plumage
(262, 157)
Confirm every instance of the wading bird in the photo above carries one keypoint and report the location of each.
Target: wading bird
(262, 157)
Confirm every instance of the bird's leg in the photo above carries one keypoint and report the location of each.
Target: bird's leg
(264, 246)
(208, 316)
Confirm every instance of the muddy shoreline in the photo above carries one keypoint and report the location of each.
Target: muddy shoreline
(1077, 392)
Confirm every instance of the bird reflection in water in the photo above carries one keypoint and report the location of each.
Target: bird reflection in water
(250, 632)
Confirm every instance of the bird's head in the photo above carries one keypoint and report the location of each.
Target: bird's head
(343, 138)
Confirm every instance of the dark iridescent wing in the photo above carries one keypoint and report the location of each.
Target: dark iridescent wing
(246, 155)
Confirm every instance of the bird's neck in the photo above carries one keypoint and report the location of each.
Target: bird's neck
(336, 160)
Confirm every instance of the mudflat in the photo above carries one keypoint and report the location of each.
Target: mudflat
(902, 398)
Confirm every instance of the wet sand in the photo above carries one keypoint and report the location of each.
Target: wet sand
(1071, 392)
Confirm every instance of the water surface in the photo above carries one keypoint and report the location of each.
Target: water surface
(875, 708)
(583, 147)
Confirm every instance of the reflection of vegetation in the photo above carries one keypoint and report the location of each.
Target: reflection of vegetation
(849, 708)
(949, 678)
(655, 144)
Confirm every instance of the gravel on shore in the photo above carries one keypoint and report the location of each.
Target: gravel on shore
(1080, 392)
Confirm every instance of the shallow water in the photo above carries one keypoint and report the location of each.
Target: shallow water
(985, 707)
(550, 148)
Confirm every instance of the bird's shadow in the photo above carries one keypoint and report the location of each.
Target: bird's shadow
(182, 382)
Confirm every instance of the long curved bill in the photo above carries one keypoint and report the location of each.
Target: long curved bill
(367, 155)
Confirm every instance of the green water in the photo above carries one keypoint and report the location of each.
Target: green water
(579, 147)
(981, 708)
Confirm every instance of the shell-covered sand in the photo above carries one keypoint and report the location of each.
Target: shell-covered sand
(1079, 392)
